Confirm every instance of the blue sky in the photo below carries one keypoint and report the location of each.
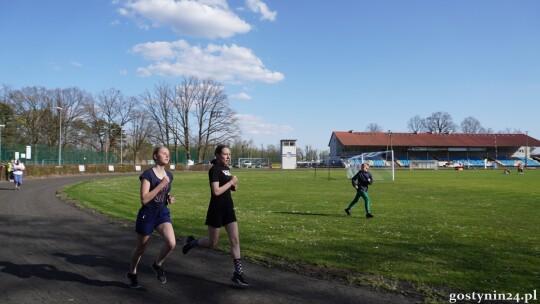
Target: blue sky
(293, 69)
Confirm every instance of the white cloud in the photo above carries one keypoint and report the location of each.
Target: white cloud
(202, 18)
(123, 72)
(257, 6)
(160, 50)
(227, 63)
(256, 125)
(241, 96)
(54, 66)
(76, 64)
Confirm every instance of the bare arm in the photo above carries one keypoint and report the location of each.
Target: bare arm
(217, 190)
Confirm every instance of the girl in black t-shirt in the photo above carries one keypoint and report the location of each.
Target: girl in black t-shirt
(221, 212)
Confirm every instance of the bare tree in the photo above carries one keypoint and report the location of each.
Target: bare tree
(247, 147)
(33, 108)
(236, 148)
(158, 104)
(185, 96)
(216, 121)
(273, 153)
(471, 125)
(440, 122)
(307, 152)
(416, 124)
(5, 91)
(108, 114)
(510, 131)
(374, 127)
(72, 102)
(7, 115)
(299, 152)
(142, 126)
(96, 129)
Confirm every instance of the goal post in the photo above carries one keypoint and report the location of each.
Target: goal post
(381, 164)
(423, 164)
(253, 162)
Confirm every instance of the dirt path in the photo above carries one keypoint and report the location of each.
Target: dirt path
(52, 252)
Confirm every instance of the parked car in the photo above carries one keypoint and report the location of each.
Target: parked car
(247, 164)
(235, 165)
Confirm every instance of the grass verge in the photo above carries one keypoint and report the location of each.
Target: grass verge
(433, 231)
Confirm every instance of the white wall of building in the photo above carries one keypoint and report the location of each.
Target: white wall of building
(288, 153)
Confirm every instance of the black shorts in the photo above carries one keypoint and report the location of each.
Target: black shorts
(218, 217)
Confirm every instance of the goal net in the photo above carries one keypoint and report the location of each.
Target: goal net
(253, 162)
(381, 164)
(424, 164)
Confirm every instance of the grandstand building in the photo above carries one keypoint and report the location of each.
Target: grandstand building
(476, 150)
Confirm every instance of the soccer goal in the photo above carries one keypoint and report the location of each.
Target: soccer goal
(252, 162)
(424, 164)
(381, 164)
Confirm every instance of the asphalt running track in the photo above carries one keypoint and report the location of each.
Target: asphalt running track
(53, 252)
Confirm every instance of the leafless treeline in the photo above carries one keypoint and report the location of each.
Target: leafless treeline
(442, 122)
(194, 113)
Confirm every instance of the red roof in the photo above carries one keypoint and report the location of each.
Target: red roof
(434, 140)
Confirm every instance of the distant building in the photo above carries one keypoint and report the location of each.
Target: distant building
(428, 146)
(288, 153)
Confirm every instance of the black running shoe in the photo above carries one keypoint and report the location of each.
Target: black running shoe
(132, 280)
(160, 274)
(187, 244)
(240, 279)
(369, 215)
(348, 211)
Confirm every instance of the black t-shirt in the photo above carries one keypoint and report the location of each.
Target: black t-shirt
(222, 174)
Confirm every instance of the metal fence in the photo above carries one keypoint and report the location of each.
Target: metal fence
(45, 155)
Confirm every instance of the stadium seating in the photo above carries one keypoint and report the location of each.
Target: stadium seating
(471, 161)
(403, 162)
(530, 162)
(507, 162)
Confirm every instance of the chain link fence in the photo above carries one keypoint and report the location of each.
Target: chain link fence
(44, 155)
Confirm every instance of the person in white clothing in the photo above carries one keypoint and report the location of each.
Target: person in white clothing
(18, 169)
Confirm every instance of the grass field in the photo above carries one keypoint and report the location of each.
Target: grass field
(472, 230)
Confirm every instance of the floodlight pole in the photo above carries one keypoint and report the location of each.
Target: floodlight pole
(393, 174)
(1, 127)
(496, 148)
(121, 159)
(527, 149)
(60, 135)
